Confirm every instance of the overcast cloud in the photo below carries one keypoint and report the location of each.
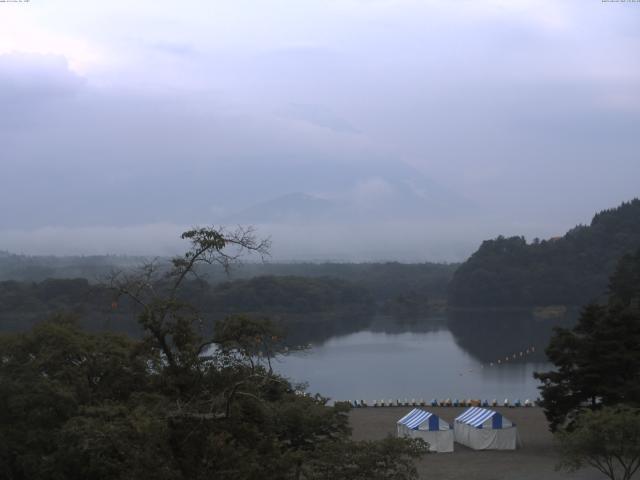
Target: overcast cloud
(345, 129)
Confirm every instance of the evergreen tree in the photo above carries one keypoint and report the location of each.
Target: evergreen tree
(598, 361)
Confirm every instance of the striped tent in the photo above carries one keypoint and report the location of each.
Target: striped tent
(432, 429)
(484, 429)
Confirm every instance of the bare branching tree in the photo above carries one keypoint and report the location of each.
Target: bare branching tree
(155, 290)
(170, 323)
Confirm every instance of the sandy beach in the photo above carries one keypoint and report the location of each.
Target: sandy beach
(534, 461)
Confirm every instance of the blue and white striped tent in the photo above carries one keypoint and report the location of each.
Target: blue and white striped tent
(484, 429)
(432, 429)
(477, 417)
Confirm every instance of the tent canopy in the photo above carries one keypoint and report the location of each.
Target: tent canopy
(483, 418)
(484, 429)
(436, 432)
(418, 419)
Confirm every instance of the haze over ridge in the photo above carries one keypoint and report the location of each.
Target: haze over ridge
(357, 130)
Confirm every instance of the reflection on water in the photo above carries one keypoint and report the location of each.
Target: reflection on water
(428, 360)
(493, 335)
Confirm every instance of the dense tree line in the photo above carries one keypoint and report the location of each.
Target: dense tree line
(571, 270)
(50, 295)
(286, 294)
(310, 308)
(384, 281)
(265, 294)
(36, 268)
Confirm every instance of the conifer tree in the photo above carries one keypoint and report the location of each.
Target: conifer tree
(598, 361)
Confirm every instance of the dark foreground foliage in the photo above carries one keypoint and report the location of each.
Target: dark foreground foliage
(607, 439)
(101, 406)
(176, 404)
(598, 361)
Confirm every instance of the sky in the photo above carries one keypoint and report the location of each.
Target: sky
(343, 129)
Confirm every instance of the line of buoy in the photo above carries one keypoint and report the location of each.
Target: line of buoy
(514, 356)
(505, 360)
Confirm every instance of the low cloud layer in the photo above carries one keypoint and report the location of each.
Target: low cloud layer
(380, 241)
(435, 123)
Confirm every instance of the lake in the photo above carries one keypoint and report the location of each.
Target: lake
(375, 358)
(456, 360)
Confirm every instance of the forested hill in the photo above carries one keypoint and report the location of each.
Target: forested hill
(570, 270)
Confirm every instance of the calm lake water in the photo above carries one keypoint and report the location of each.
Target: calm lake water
(447, 362)
(375, 358)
